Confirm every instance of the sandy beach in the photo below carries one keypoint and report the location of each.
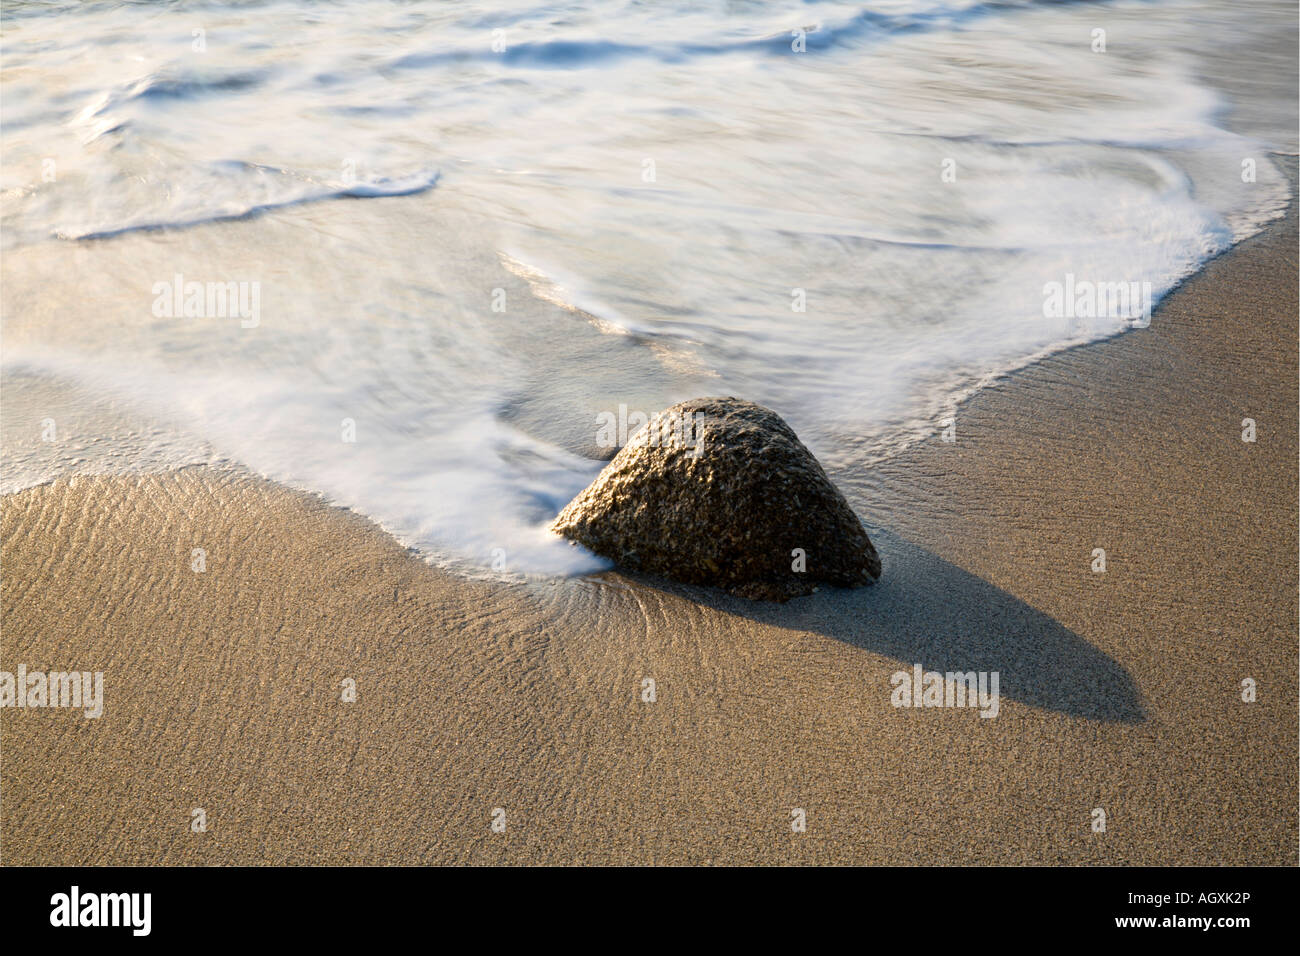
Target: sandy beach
(315, 317)
(1120, 690)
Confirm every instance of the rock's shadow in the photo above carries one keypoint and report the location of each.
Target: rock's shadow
(925, 610)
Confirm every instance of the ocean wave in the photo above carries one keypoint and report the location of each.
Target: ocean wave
(305, 192)
(866, 24)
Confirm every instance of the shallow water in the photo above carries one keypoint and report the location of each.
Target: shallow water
(468, 230)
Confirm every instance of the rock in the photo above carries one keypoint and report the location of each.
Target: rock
(719, 491)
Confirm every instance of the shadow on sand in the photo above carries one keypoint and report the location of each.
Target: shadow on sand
(927, 611)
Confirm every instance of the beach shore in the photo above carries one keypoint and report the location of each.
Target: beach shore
(1121, 691)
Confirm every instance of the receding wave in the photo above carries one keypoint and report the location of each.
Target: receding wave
(307, 193)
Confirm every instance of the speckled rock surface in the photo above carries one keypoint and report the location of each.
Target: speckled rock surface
(720, 491)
